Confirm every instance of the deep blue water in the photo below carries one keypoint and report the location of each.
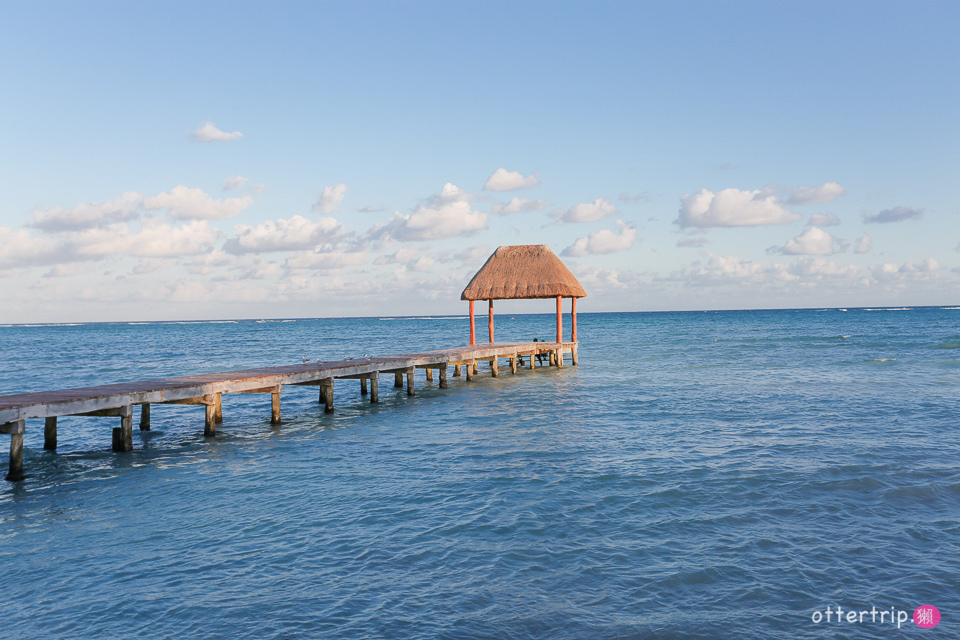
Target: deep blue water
(699, 475)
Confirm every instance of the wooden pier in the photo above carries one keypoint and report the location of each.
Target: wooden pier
(118, 400)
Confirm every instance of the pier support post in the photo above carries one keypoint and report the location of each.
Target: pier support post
(363, 386)
(218, 409)
(443, 376)
(15, 429)
(209, 420)
(410, 391)
(513, 365)
(374, 389)
(470, 366)
(328, 397)
(456, 370)
(573, 353)
(559, 357)
(494, 368)
(398, 380)
(145, 416)
(123, 435)
(533, 360)
(429, 374)
(50, 433)
(275, 407)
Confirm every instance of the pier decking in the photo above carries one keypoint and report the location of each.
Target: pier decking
(117, 400)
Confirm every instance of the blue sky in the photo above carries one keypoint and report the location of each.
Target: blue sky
(166, 160)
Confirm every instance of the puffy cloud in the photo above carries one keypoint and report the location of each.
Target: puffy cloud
(88, 215)
(894, 215)
(812, 242)
(445, 215)
(604, 241)
(586, 211)
(823, 220)
(519, 205)
(503, 180)
(293, 234)
(209, 133)
(330, 199)
(193, 204)
(862, 244)
(19, 249)
(164, 241)
(732, 208)
(890, 272)
(235, 183)
(823, 193)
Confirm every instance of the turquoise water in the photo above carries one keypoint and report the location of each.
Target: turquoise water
(699, 475)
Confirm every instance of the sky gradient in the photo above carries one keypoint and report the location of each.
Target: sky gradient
(202, 160)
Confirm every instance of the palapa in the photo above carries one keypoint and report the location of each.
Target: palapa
(523, 271)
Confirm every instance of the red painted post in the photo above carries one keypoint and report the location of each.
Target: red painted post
(490, 321)
(473, 326)
(559, 319)
(573, 337)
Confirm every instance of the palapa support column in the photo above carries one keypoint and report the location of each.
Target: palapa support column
(559, 320)
(50, 433)
(490, 320)
(410, 391)
(398, 379)
(123, 435)
(573, 320)
(374, 388)
(145, 416)
(15, 429)
(327, 389)
(473, 325)
(275, 406)
(443, 376)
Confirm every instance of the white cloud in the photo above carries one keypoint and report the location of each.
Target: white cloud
(604, 241)
(445, 215)
(293, 234)
(822, 193)
(164, 241)
(823, 220)
(891, 273)
(897, 214)
(193, 204)
(209, 133)
(326, 260)
(330, 199)
(812, 242)
(863, 244)
(503, 180)
(732, 208)
(19, 249)
(519, 205)
(234, 183)
(474, 256)
(88, 215)
(586, 211)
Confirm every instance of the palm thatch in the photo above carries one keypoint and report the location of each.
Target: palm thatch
(523, 271)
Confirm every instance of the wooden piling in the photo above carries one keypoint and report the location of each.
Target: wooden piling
(410, 391)
(494, 369)
(429, 372)
(513, 365)
(398, 379)
(209, 420)
(573, 353)
(218, 409)
(443, 376)
(363, 386)
(50, 434)
(374, 389)
(456, 370)
(275, 407)
(145, 416)
(328, 396)
(15, 429)
(123, 435)
(470, 371)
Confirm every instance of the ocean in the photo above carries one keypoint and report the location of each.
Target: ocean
(730, 474)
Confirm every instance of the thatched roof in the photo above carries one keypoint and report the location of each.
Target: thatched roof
(523, 271)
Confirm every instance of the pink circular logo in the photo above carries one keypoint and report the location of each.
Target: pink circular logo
(926, 616)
